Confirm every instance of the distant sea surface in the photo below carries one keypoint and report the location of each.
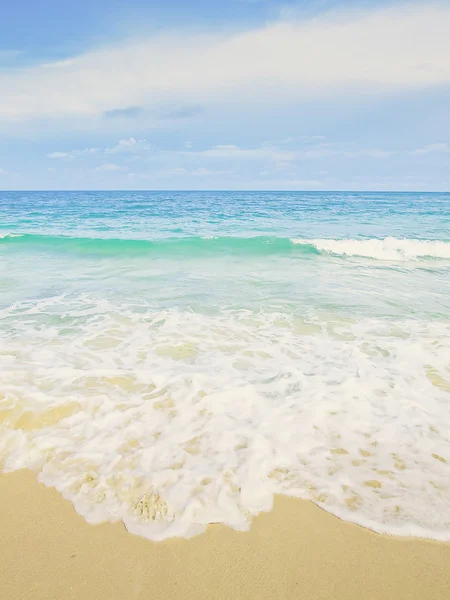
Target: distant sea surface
(173, 359)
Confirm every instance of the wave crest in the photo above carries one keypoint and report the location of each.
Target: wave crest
(389, 248)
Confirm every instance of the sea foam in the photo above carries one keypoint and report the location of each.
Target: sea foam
(390, 248)
(171, 420)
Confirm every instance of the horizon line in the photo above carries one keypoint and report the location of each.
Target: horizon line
(299, 191)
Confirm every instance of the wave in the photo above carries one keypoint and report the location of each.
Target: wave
(389, 249)
(184, 246)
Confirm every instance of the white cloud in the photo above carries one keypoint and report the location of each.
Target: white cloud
(3, 172)
(272, 158)
(441, 147)
(86, 152)
(232, 151)
(290, 140)
(129, 146)
(202, 172)
(282, 166)
(175, 171)
(382, 48)
(108, 167)
(371, 153)
(58, 155)
(281, 184)
(329, 150)
(181, 171)
(283, 158)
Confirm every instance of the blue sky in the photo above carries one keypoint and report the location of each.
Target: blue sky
(244, 94)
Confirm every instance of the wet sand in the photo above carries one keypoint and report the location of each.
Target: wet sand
(48, 552)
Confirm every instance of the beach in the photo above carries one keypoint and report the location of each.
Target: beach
(225, 300)
(174, 360)
(48, 552)
(224, 395)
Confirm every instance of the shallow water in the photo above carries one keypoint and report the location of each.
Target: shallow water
(176, 359)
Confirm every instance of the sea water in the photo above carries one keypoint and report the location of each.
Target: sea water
(174, 359)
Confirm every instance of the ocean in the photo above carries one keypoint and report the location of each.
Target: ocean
(174, 359)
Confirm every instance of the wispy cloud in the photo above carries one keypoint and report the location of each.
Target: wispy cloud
(58, 155)
(181, 172)
(128, 112)
(3, 171)
(184, 112)
(131, 145)
(332, 150)
(441, 147)
(284, 184)
(202, 172)
(234, 152)
(214, 162)
(305, 139)
(291, 59)
(281, 156)
(126, 146)
(109, 167)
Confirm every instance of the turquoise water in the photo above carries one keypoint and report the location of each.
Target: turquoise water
(172, 359)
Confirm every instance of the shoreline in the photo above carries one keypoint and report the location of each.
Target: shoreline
(297, 550)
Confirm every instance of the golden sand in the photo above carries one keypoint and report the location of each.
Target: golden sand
(48, 552)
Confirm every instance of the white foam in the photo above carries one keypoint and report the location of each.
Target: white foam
(10, 235)
(171, 420)
(389, 248)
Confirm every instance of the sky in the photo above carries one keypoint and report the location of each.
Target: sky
(243, 94)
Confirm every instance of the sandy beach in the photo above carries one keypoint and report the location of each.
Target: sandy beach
(49, 552)
(225, 300)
